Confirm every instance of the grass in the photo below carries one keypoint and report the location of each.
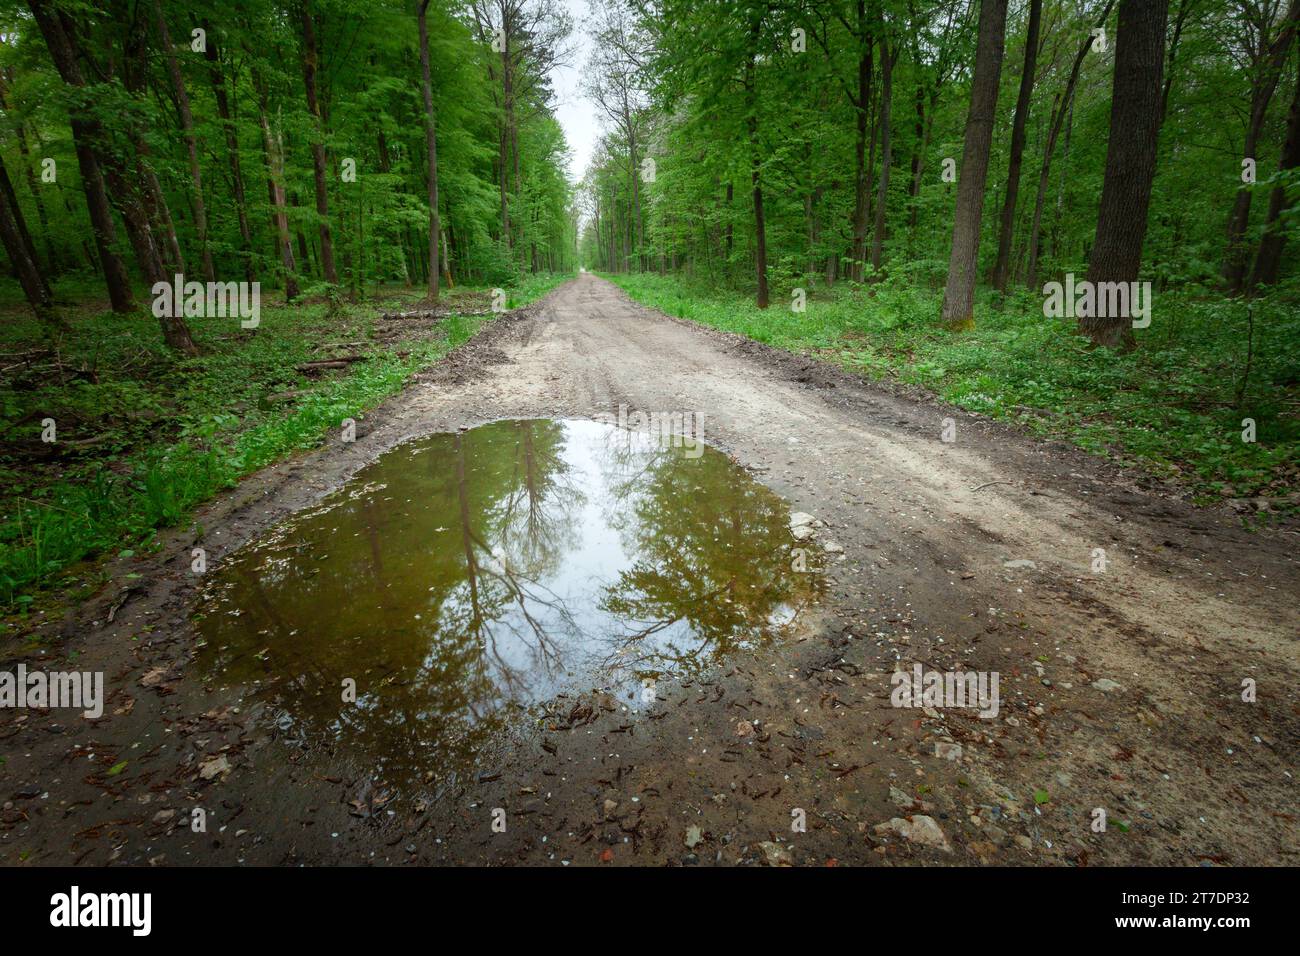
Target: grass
(143, 437)
(1171, 406)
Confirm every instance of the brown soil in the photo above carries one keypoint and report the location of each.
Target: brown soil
(1189, 606)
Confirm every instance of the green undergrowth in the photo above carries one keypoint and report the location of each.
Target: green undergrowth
(142, 437)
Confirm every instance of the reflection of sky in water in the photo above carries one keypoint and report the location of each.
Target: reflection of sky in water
(503, 565)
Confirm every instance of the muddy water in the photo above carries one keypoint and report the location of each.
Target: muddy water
(463, 578)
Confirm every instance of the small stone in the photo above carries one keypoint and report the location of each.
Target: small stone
(162, 816)
(693, 837)
(947, 751)
(744, 729)
(775, 854)
(802, 525)
(610, 807)
(996, 833)
(214, 767)
(900, 799)
(1106, 685)
(919, 829)
(1020, 563)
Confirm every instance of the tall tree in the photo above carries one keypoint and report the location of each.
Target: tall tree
(20, 226)
(431, 147)
(1130, 160)
(1266, 52)
(861, 101)
(191, 141)
(527, 38)
(887, 62)
(273, 153)
(1268, 261)
(217, 77)
(1061, 110)
(310, 69)
(959, 294)
(20, 134)
(755, 158)
(23, 260)
(56, 28)
(1006, 227)
(135, 79)
(611, 80)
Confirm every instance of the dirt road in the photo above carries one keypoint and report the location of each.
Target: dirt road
(1121, 674)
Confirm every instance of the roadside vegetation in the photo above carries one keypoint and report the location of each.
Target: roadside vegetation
(141, 437)
(1174, 406)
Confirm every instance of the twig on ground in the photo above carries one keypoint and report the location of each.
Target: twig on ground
(987, 483)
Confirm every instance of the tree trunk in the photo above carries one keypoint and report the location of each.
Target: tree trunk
(218, 79)
(755, 169)
(191, 141)
(135, 78)
(886, 151)
(1130, 159)
(1059, 111)
(16, 213)
(310, 62)
(636, 195)
(1268, 263)
(1265, 82)
(54, 27)
(1007, 226)
(275, 189)
(136, 221)
(52, 258)
(28, 270)
(446, 261)
(862, 104)
(431, 144)
(730, 239)
(918, 151)
(959, 295)
(508, 140)
(1184, 7)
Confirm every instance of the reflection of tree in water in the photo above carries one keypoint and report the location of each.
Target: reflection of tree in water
(424, 589)
(505, 608)
(536, 525)
(712, 549)
(438, 581)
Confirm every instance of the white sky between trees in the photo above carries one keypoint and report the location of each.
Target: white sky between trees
(576, 113)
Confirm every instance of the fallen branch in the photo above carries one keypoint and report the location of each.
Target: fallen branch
(342, 361)
(987, 483)
(429, 314)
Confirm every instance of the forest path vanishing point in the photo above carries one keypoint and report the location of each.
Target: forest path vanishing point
(1120, 689)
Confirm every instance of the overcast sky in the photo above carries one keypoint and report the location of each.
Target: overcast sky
(575, 112)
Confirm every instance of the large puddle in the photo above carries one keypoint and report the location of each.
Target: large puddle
(462, 578)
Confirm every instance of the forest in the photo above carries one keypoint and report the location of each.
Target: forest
(666, 433)
(894, 185)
